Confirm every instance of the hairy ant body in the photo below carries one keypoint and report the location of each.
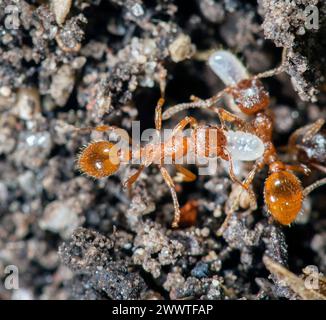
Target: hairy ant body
(283, 193)
(102, 158)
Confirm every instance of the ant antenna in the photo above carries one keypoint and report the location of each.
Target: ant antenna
(281, 68)
(200, 103)
(314, 186)
(196, 103)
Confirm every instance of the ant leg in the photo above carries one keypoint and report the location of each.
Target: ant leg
(183, 123)
(235, 204)
(226, 116)
(307, 131)
(250, 177)
(245, 185)
(301, 168)
(168, 180)
(133, 177)
(160, 102)
(100, 128)
(318, 167)
(277, 70)
(313, 186)
(225, 223)
(105, 128)
(197, 103)
(158, 114)
(313, 130)
(184, 174)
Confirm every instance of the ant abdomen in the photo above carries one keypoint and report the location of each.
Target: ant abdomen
(99, 159)
(283, 195)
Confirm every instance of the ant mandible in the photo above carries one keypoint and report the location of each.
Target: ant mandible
(283, 192)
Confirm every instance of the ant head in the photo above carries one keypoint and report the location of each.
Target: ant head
(250, 96)
(313, 150)
(283, 196)
(99, 159)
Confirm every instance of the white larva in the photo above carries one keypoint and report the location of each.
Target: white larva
(227, 67)
(244, 146)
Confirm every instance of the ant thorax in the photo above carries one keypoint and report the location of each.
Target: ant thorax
(262, 125)
(208, 142)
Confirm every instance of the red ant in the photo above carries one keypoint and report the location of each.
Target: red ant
(102, 158)
(283, 193)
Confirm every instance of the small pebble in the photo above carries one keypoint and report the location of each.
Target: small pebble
(61, 9)
(201, 270)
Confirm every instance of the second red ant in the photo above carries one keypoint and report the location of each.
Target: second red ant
(283, 192)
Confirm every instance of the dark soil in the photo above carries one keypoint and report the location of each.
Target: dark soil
(73, 237)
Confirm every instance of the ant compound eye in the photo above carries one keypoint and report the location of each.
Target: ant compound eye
(244, 146)
(99, 159)
(283, 196)
(227, 67)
